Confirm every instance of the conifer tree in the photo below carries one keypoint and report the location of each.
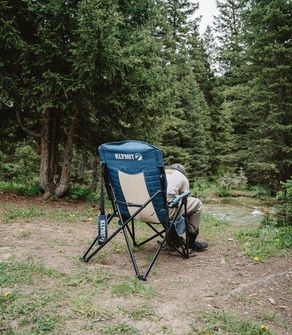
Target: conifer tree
(80, 73)
(268, 91)
(185, 131)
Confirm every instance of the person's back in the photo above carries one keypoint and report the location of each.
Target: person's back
(178, 183)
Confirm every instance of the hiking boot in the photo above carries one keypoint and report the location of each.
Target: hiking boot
(198, 246)
(172, 245)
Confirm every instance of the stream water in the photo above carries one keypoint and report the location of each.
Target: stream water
(235, 214)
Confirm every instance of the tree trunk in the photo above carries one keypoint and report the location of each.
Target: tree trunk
(81, 168)
(45, 152)
(94, 174)
(63, 184)
(49, 152)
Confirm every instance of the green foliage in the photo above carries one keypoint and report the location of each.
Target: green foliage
(284, 205)
(264, 131)
(202, 187)
(97, 61)
(21, 166)
(260, 190)
(232, 181)
(82, 193)
(266, 241)
(31, 190)
(140, 70)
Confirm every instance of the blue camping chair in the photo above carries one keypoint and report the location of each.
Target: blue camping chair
(134, 177)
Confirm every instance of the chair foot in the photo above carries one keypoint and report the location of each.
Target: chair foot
(141, 277)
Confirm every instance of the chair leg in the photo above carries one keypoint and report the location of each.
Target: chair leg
(144, 277)
(133, 259)
(88, 250)
(132, 233)
(86, 258)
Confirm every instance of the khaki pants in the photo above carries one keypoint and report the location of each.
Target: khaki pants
(194, 209)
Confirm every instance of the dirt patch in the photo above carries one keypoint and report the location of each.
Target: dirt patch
(222, 278)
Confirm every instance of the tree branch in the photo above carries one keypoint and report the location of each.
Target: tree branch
(23, 127)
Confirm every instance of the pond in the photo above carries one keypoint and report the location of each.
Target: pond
(235, 214)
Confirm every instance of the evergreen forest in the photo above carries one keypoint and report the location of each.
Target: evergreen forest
(75, 74)
(78, 73)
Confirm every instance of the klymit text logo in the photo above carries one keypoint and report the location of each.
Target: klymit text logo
(137, 156)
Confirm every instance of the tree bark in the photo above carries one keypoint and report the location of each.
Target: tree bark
(45, 152)
(63, 184)
(49, 152)
(81, 168)
(94, 174)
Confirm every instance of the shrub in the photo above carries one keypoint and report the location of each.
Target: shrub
(203, 187)
(31, 190)
(230, 181)
(260, 190)
(82, 193)
(22, 166)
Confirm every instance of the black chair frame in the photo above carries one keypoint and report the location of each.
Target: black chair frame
(127, 226)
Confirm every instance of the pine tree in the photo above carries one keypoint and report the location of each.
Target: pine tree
(80, 73)
(185, 132)
(225, 54)
(198, 124)
(268, 64)
(228, 27)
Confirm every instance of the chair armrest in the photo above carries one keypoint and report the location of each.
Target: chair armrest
(174, 202)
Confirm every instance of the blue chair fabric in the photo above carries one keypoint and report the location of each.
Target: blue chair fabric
(135, 170)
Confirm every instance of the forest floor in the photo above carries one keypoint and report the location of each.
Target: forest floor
(46, 289)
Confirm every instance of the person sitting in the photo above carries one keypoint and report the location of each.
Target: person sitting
(178, 183)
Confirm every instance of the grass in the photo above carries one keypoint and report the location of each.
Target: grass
(85, 306)
(99, 279)
(225, 323)
(44, 324)
(32, 312)
(140, 312)
(12, 273)
(265, 241)
(29, 304)
(133, 287)
(90, 299)
(214, 228)
(120, 328)
(12, 213)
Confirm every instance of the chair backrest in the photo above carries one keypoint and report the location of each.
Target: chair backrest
(135, 172)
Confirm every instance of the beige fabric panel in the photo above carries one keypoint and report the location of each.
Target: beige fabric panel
(135, 191)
